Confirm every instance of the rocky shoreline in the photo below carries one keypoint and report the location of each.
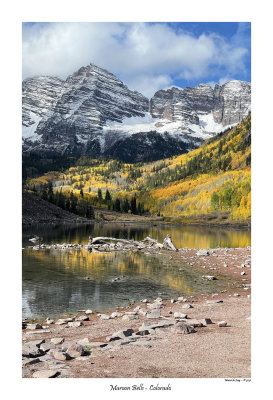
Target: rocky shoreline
(189, 336)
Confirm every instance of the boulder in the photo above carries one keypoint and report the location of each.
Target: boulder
(88, 312)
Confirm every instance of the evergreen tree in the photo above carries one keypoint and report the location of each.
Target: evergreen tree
(125, 206)
(116, 206)
(50, 195)
(90, 214)
(99, 194)
(133, 205)
(108, 196)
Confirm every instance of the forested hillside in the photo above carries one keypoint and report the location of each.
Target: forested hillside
(210, 184)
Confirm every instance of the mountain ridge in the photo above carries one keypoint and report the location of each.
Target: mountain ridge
(91, 112)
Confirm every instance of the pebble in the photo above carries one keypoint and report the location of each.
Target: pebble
(222, 323)
(88, 312)
(243, 273)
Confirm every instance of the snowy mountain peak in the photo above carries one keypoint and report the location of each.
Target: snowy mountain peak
(93, 112)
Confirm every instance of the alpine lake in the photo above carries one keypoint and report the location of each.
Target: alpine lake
(64, 281)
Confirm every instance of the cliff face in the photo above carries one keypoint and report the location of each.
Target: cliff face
(92, 112)
(228, 103)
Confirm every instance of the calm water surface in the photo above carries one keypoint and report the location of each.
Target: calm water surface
(54, 281)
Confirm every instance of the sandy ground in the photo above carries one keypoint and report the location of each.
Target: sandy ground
(210, 352)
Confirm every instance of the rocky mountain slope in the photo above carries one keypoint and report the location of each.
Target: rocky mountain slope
(92, 112)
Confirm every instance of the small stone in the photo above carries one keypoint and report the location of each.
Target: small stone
(154, 306)
(243, 273)
(180, 298)
(47, 346)
(186, 306)
(46, 373)
(38, 332)
(122, 334)
(222, 323)
(143, 332)
(193, 322)
(75, 324)
(214, 301)
(173, 300)
(236, 295)
(143, 311)
(34, 326)
(75, 350)
(154, 314)
(129, 317)
(31, 351)
(205, 321)
(58, 355)
(49, 321)
(30, 361)
(183, 328)
(104, 316)
(144, 301)
(35, 342)
(57, 340)
(116, 314)
(179, 315)
(209, 277)
(82, 318)
(203, 252)
(88, 312)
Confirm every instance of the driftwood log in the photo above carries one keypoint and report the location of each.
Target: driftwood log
(107, 243)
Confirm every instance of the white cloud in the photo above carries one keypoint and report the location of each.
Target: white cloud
(147, 57)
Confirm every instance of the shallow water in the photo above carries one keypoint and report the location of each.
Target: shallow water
(54, 281)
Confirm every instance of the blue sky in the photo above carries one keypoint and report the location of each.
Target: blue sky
(145, 56)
